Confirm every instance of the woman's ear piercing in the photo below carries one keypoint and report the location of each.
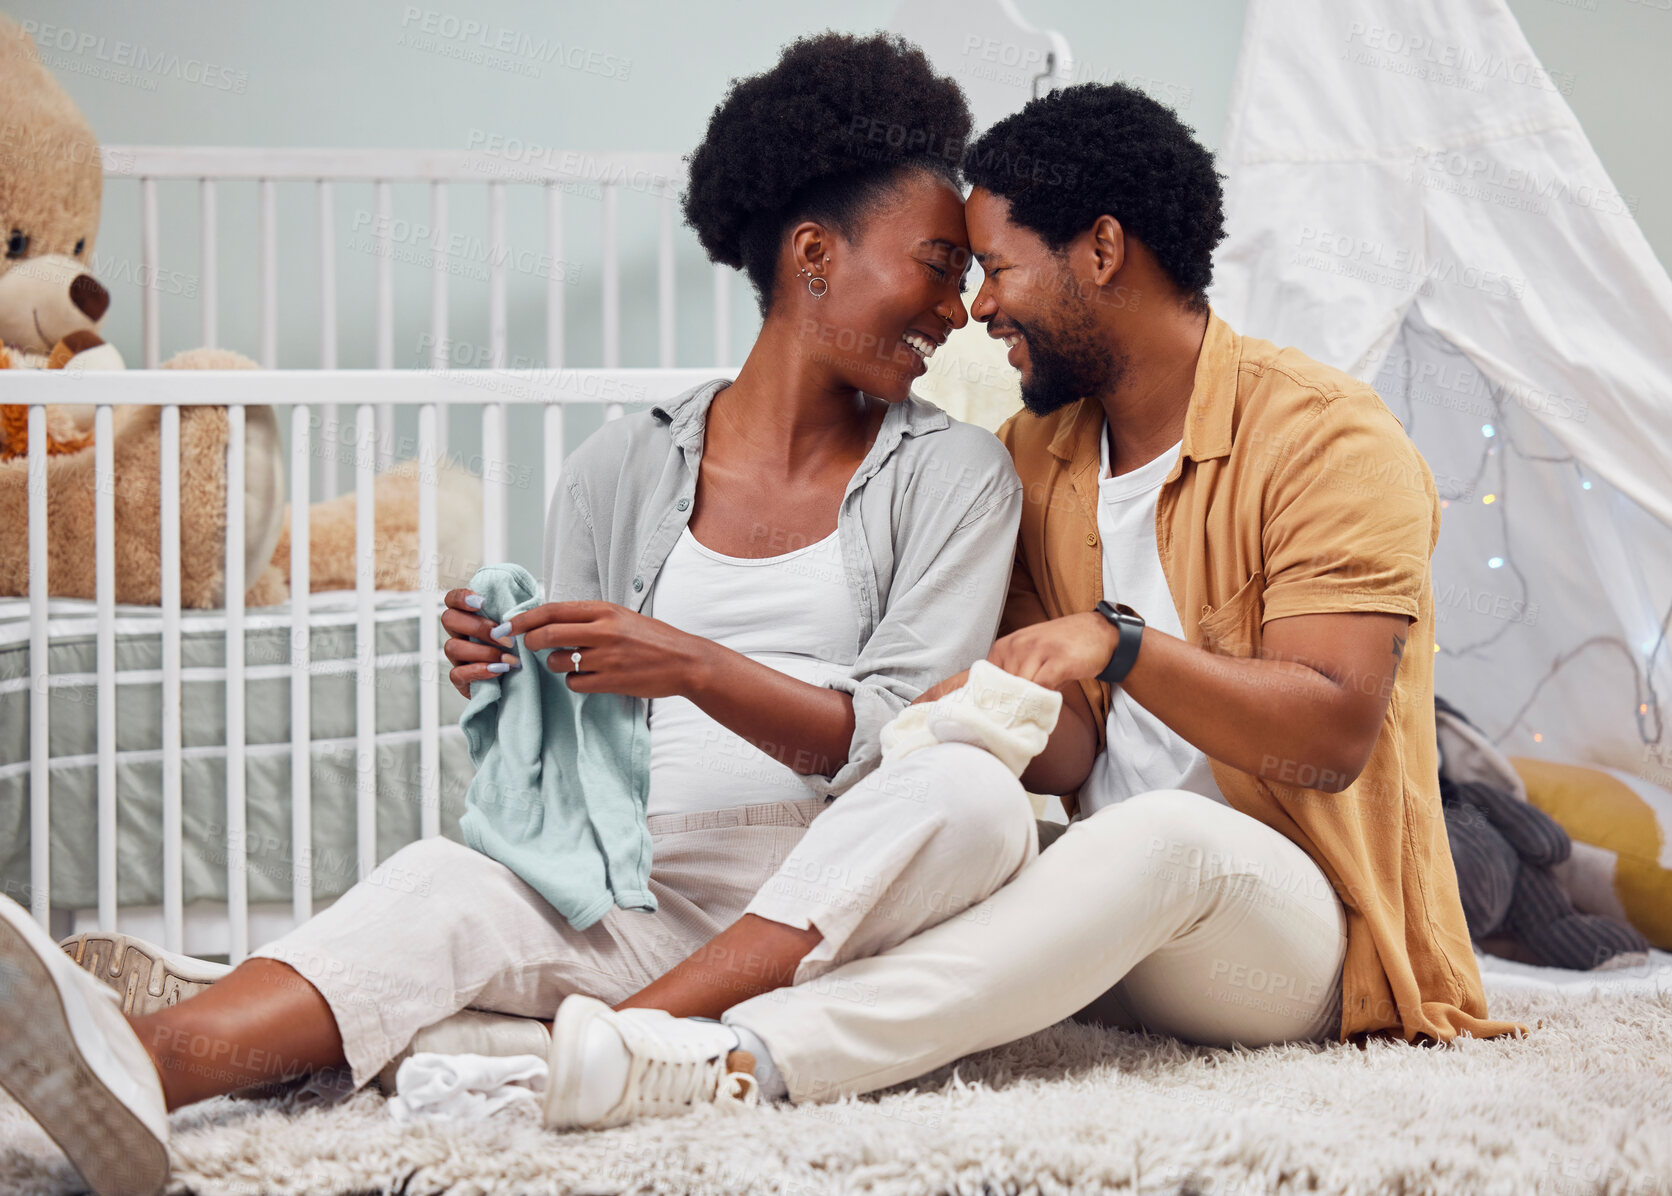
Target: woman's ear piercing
(819, 291)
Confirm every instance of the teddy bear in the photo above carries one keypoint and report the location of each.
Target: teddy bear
(1505, 850)
(51, 178)
(51, 307)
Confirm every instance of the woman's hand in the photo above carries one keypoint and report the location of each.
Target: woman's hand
(465, 627)
(1058, 651)
(622, 651)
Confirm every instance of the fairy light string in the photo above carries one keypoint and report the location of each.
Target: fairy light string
(1646, 708)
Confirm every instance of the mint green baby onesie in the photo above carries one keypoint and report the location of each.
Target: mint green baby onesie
(561, 778)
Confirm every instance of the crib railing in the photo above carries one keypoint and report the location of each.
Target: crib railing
(364, 391)
(491, 165)
(373, 396)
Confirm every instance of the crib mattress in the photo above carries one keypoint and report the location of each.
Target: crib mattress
(73, 738)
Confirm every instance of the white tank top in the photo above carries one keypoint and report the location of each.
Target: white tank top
(791, 612)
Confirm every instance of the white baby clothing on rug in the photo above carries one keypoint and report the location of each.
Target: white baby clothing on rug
(436, 1087)
(1009, 716)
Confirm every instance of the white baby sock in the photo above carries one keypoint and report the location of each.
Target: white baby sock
(1009, 716)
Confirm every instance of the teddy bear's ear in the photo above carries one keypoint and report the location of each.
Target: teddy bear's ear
(15, 44)
(61, 145)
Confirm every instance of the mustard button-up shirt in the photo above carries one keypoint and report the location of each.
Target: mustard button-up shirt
(1296, 492)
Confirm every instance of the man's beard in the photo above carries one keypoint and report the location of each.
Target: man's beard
(1068, 363)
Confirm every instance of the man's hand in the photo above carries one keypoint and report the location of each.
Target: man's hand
(1053, 653)
(622, 651)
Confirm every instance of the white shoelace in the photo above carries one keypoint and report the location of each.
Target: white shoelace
(669, 1086)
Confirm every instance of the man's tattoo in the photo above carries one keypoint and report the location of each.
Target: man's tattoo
(1399, 647)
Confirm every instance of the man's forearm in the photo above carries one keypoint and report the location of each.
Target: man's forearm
(1307, 711)
(1279, 719)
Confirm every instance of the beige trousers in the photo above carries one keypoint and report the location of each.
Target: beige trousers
(1169, 912)
(438, 927)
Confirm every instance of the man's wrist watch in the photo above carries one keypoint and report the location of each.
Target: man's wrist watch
(1130, 624)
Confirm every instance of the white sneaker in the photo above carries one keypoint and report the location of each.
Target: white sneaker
(68, 1056)
(145, 977)
(609, 1067)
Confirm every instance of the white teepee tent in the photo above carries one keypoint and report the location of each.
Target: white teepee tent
(1411, 199)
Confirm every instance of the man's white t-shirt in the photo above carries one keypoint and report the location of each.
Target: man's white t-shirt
(1142, 752)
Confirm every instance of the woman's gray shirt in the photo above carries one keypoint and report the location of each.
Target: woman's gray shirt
(927, 529)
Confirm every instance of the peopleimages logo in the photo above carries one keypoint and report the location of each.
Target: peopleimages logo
(470, 39)
(1398, 266)
(128, 62)
(1421, 55)
(1464, 388)
(1024, 166)
(24, 145)
(1482, 176)
(511, 152)
(904, 139)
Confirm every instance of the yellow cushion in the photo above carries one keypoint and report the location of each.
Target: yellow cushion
(1627, 820)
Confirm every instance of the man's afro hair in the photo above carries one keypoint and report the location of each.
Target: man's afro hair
(816, 137)
(1107, 149)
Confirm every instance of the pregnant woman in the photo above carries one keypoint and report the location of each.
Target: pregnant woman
(775, 567)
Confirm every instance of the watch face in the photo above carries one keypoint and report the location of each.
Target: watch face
(1118, 612)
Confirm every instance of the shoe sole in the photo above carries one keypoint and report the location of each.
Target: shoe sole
(42, 1067)
(146, 977)
(574, 1015)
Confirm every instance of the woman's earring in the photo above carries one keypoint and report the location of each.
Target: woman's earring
(819, 291)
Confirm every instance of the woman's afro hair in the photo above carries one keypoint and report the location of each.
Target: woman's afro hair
(1094, 149)
(818, 136)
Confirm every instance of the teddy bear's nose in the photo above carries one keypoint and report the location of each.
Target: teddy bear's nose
(90, 298)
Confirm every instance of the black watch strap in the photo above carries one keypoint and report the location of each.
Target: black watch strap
(1130, 624)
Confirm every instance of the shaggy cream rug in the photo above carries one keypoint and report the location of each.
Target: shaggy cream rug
(1582, 1105)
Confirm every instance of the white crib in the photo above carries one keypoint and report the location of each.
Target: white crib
(372, 395)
